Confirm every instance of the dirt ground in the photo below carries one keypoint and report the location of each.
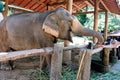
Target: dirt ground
(23, 70)
(25, 67)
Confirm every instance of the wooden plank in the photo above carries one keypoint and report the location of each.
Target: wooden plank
(56, 62)
(5, 56)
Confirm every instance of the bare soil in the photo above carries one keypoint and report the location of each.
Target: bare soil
(23, 70)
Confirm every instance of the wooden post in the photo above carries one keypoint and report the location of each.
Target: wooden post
(56, 62)
(84, 66)
(96, 17)
(106, 50)
(106, 25)
(5, 13)
(69, 5)
(106, 57)
(67, 54)
(115, 52)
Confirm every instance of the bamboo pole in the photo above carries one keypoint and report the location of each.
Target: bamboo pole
(80, 65)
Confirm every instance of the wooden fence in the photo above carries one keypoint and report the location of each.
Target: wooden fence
(56, 61)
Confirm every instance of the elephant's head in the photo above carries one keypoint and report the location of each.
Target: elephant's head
(60, 23)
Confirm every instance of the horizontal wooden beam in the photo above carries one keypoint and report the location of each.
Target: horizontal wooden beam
(19, 8)
(5, 56)
(64, 2)
(89, 12)
(96, 50)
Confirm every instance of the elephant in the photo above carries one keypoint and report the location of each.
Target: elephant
(22, 31)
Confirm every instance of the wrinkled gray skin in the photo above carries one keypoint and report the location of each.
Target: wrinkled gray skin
(25, 30)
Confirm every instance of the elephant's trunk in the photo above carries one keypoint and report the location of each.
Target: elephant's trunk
(77, 28)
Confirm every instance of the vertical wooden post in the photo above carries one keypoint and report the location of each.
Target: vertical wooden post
(48, 7)
(96, 17)
(84, 66)
(115, 52)
(56, 62)
(106, 57)
(106, 25)
(106, 50)
(67, 54)
(69, 5)
(5, 13)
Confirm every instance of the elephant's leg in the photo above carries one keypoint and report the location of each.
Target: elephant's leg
(48, 61)
(42, 60)
(5, 65)
(45, 61)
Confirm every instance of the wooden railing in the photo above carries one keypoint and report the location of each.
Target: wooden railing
(56, 61)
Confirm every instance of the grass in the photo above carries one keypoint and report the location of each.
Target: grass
(105, 76)
(69, 74)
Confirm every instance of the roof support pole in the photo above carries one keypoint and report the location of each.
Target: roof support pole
(67, 54)
(96, 17)
(5, 13)
(105, 59)
(106, 25)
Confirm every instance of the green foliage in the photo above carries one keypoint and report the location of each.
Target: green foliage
(106, 76)
(82, 18)
(1, 6)
(88, 20)
(113, 22)
(39, 75)
(68, 73)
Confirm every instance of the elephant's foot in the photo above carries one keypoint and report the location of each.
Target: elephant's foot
(6, 65)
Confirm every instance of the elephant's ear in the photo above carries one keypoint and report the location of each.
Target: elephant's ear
(50, 25)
